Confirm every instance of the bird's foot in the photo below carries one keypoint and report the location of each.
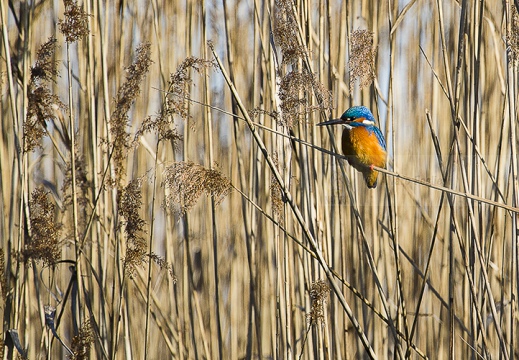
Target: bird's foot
(371, 167)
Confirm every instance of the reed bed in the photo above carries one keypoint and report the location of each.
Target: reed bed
(166, 194)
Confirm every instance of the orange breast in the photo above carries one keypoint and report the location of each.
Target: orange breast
(362, 149)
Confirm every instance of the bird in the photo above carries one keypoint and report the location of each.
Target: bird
(363, 143)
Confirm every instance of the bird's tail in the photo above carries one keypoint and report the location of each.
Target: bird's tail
(371, 178)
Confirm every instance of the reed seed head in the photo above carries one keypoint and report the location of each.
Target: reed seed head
(187, 181)
(295, 92)
(362, 58)
(44, 241)
(41, 102)
(130, 202)
(75, 24)
(513, 38)
(276, 193)
(82, 342)
(318, 293)
(286, 32)
(125, 98)
(179, 82)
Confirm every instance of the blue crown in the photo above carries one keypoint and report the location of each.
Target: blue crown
(356, 112)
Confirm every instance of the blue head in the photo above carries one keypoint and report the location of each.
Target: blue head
(358, 116)
(354, 116)
(358, 112)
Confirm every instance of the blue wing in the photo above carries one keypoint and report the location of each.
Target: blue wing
(371, 129)
(379, 136)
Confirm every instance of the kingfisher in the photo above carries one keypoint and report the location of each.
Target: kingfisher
(362, 142)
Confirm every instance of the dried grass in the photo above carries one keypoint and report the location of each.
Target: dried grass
(422, 267)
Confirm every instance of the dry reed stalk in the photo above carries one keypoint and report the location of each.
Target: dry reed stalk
(427, 272)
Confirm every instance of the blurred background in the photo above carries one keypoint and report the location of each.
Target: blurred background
(142, 218)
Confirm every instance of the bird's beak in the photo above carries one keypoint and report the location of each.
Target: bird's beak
(331, 122)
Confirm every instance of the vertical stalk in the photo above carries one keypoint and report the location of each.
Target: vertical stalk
(209, 128)
(392, 199)
(150, 253)
(514, 165)
(78, 269)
